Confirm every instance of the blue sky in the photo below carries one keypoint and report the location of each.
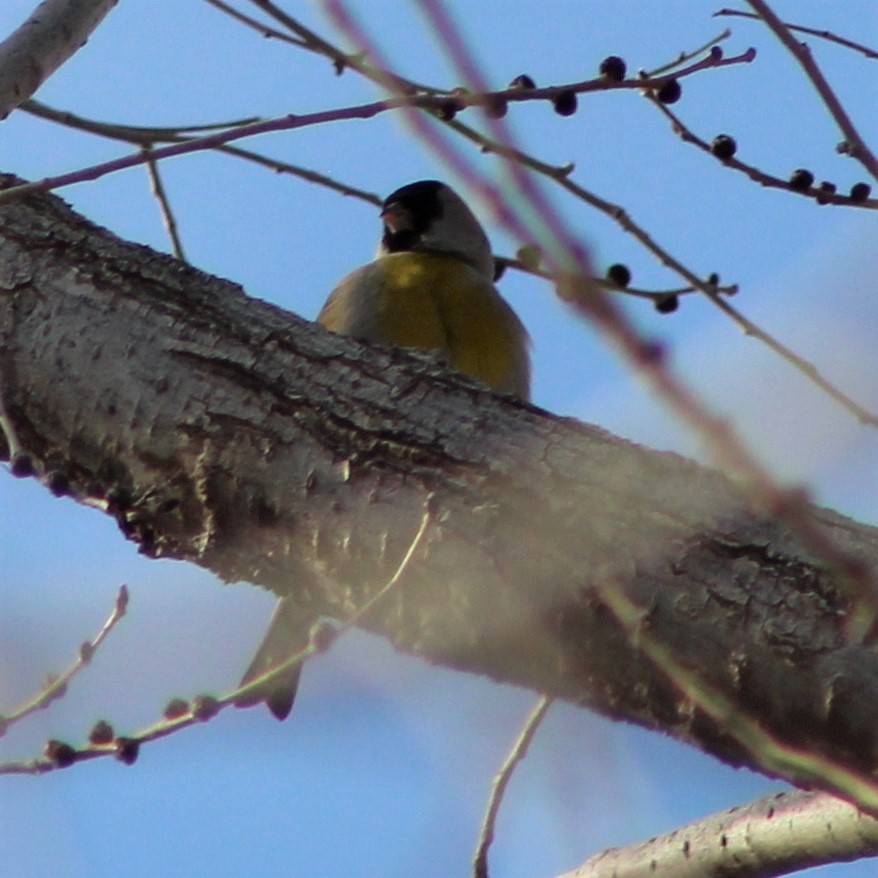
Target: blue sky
(385, 764)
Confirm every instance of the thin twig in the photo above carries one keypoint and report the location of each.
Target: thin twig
(758, 176)
(821, 34)
(688, 56)
(197, 144)
(267, 32)
(403, 99)
(168, 218)
(57, 685)
(149, 135)
(856, 146)
(203, 707)
(501, 782)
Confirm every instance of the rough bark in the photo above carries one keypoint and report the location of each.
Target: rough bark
(221, 430)
(33, 52)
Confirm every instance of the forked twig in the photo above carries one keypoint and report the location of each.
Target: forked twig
(168, 218)
(811, 31)
(856, 146)
(501, 782)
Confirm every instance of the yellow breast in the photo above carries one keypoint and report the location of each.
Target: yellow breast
(436, 302)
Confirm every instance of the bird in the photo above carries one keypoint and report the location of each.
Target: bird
(430, 286)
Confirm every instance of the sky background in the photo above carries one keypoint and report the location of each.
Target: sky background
(384, 767)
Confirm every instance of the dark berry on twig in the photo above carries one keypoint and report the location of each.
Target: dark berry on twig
(619, 274)
(860, 192)
(613, 68)
(801, 180)
(723, 147)
(667, 304)
(670, 92)
(565, 103)
(522, 81)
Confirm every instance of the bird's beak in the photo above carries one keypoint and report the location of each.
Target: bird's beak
(396, 217)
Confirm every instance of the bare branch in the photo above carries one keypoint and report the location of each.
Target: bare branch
(149, 135)
(856, 146)
(501, 782)
(267, 32)
(822, 34)
(683, 57)
(531, 510)
(773, 836)
(57, 685)
(180, 714)
(55, 30)
(168, 218)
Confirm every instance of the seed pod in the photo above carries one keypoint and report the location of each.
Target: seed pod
(824, 189)
(127, 750)
(60, 753)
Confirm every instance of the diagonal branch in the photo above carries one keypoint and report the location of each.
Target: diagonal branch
(811, 31)
(855, 145)
(238, 437)
(54, 32)
(773, 836)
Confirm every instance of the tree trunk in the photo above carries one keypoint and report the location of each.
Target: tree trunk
(222, 430)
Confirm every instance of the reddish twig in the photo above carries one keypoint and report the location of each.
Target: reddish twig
(855, 145)
(821, 196)
(821, 34)
(149, 135)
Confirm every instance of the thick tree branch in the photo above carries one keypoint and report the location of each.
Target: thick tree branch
(54, 32)
(773, 836)
(224, 431)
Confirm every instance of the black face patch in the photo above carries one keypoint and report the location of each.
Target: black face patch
(424, 206)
